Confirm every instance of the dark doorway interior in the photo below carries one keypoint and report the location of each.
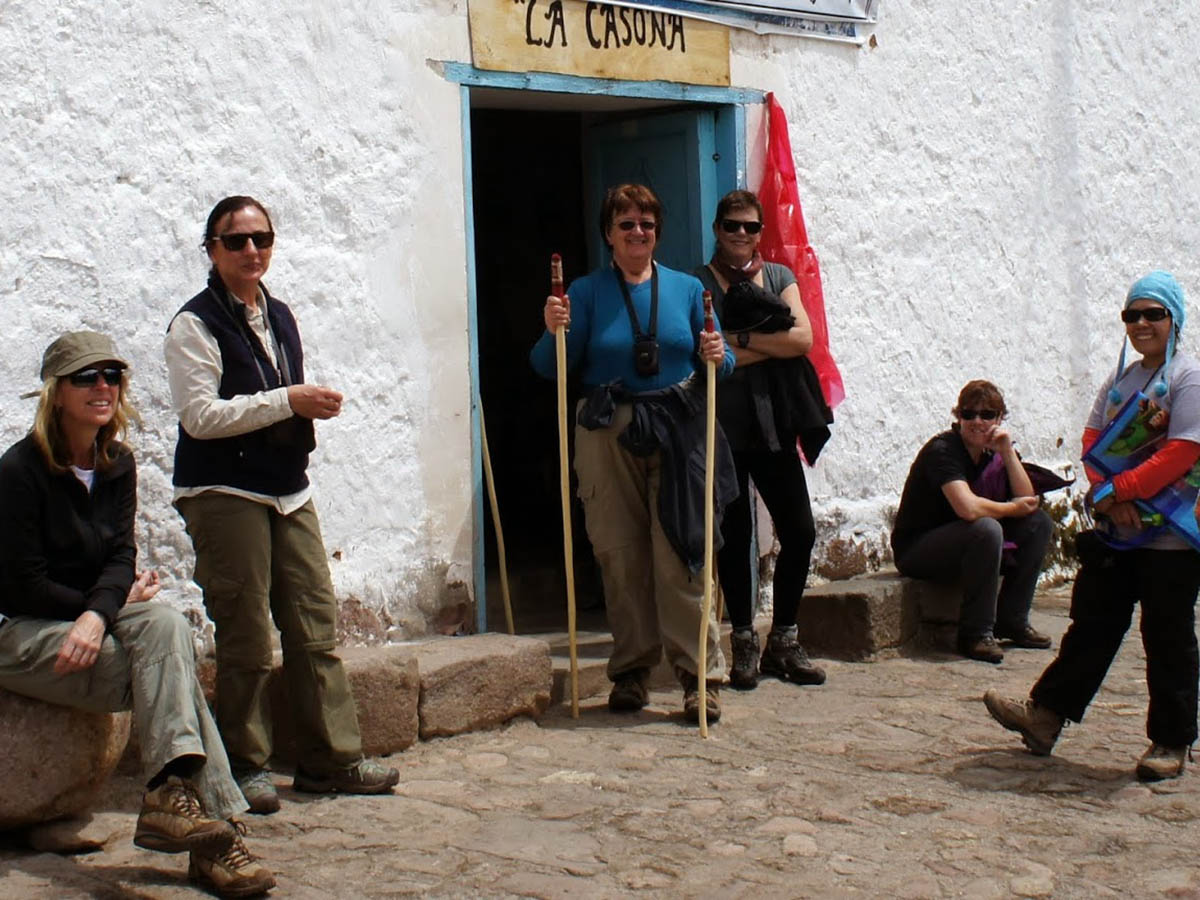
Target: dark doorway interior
(527, 185)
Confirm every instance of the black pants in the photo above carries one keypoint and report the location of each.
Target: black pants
(1165, 582)
(972, 554)
(779, 477)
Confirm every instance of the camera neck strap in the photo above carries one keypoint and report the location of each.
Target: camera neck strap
(633, 319)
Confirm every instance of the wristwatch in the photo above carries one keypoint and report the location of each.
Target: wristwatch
(743, 339)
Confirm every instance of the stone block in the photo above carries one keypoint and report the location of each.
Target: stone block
(53, 759)
(386, 686)
(480, 681)
(857, 618)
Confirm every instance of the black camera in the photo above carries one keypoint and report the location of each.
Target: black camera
(645, 355)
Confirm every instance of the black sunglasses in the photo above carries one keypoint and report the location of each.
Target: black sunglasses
(647, 225)
(1152, 314)
(733, 226)
(986, 414)
(89, 377)
(237, 241)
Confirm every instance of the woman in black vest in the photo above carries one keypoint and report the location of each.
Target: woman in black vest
(236, 369)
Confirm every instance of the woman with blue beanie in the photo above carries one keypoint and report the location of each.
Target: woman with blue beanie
(1161, 572)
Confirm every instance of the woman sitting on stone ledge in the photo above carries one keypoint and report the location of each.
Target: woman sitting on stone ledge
(75, 628)
(945, 531)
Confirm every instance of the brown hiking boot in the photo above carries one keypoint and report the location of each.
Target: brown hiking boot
(691, 698)
(743, 674)
(786, 659)
(1161, 762)
(364, 777)
(1039, 727)
(982, 647)
(1026, 637)
(628, 692)
(234, 873)
(173, 820)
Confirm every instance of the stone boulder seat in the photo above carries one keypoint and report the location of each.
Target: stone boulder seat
(53, 759)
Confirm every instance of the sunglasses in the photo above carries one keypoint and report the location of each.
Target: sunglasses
(1153, 314)
(733, 226)
(235, 242)
(986, 414)
(647, 225)
(90, 377)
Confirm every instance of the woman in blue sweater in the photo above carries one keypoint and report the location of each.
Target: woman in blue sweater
(637, 338)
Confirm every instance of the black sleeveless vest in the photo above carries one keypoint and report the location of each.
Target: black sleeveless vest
(271, 460)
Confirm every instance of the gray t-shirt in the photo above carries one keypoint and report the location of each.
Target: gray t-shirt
(1182, 401)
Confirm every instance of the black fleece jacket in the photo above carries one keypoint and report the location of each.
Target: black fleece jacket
(62, 550)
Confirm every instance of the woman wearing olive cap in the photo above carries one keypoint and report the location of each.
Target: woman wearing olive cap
(75, 627)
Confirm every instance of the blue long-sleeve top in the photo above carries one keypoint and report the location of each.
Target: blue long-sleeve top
(601, 336)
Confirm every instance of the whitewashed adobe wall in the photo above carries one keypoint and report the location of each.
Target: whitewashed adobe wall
(980, 187)
(123, 124)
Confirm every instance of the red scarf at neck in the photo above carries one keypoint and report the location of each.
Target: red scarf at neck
(734, 274)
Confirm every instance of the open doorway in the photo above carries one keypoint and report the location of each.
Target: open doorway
(540, 163)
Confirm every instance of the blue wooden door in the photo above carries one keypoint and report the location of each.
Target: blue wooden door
(673, 155)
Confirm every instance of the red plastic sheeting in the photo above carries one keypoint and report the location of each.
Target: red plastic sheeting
(785, 240)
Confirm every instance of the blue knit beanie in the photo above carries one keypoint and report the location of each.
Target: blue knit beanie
(1161, 287)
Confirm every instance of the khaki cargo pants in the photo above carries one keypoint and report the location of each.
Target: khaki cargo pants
(653, 601)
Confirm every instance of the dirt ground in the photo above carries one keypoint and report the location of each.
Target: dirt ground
(889, 781)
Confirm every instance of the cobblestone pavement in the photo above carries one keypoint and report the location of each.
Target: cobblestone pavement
(889, 781)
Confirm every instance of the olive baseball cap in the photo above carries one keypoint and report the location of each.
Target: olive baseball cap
(76, 350)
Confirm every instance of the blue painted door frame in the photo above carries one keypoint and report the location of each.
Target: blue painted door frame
(719, 133)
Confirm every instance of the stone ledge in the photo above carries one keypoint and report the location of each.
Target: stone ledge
(386, 685)
(53, 759)
(858, 618)
(459, 694)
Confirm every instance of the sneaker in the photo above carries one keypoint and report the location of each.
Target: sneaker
(1039, 727)
(173, 819)
(628, 692)
(1161, 762)
(982, 647)
(786, 660)
(1026, 636)
(259, 791)
(691, 698)
(743, 674)
(236, 872)
(365, 777)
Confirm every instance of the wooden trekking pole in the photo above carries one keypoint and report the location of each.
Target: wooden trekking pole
(564, 481)
(491, 489)
(710, 440)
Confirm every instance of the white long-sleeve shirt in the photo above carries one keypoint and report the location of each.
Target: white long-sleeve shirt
(194, 375)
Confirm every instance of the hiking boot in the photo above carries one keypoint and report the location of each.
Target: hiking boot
(234, 873)
(1161, 762)
(743, 674)
(1026, 636)
(173, 820)
(1039, 727)
(364, 777)
(691, 698)
(628, 692)
(259, 790)
(981, 647)
(786, 660)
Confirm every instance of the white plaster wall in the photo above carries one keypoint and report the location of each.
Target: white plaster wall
(981, 188)
(124, 122)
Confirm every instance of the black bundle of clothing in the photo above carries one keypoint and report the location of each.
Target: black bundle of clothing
(785, 394)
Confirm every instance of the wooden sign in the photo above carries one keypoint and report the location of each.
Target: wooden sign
(574, 37)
